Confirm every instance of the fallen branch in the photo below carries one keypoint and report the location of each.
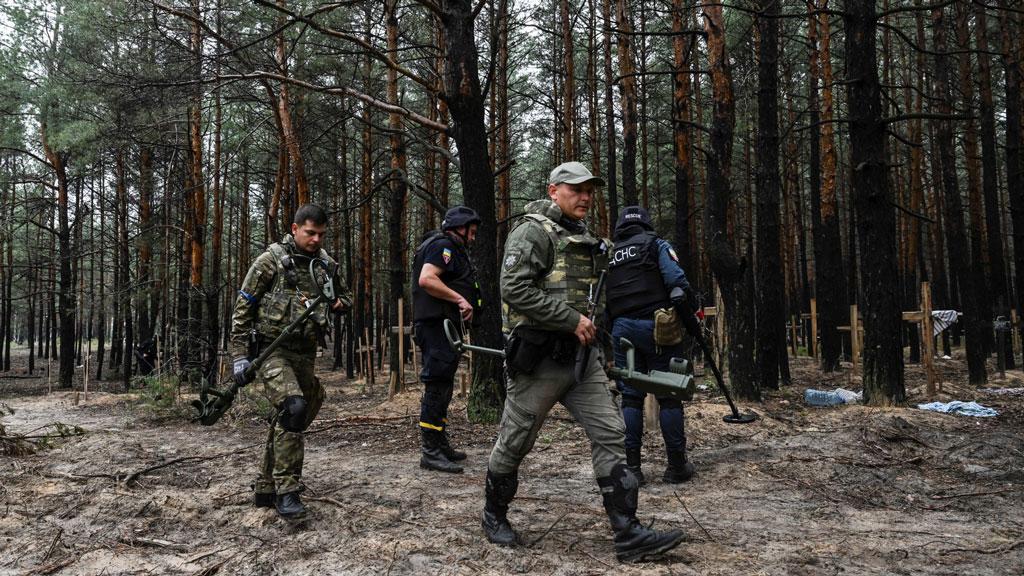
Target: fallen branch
(130, 479)
(968, 494)
(152, 542)
(54, 567)
(996, 550)
(678, 497)
(358, 421)
(327, 499)
(546, 532)
(53, 544)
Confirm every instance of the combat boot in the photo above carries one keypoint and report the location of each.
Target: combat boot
(264, 499)
(679, 469)
(433, 457)
(448, 451)
(499, 492)
(633, 542)
(289, 505)
(633, 461)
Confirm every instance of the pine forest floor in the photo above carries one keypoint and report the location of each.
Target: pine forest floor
(802, 491)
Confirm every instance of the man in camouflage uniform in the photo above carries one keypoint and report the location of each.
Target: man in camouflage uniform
(549, 271)
(276, 290)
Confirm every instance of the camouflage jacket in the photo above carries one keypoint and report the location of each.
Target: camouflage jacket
(268, 300)
(548, 272)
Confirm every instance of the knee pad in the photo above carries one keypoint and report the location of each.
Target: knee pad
(294, 411)
(633, 402)
(622, 488)
(669, 404)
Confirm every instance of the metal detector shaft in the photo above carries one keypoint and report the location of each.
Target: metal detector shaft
(210, 409)
(459, 346)
(718, 375)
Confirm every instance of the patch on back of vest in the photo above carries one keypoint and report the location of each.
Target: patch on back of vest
(512, 259)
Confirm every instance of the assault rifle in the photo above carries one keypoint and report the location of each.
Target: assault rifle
(583, 351)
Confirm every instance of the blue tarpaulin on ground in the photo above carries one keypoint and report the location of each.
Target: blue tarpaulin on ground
(958, 407)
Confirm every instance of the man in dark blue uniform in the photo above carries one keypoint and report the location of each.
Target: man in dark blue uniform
(642, 271)
(444, 287)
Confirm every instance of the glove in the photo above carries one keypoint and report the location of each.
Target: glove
(239, 371)
(687, 315)
(691, 322)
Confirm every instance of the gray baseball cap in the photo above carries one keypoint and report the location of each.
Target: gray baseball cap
(573, 173)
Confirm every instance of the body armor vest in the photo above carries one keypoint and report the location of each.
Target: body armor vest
(427, 307)
(635, 285)
(577, 263)
(287, 299)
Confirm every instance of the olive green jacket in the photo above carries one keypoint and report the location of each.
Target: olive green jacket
(532, 291)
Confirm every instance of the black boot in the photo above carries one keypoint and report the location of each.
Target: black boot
(449, 452)
(499, 492)
(433, 457)
(633, 542)
(679, 469)
(264, 499)
(289, 505)
(633, 461)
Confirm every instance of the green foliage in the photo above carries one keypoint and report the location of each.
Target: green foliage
(24, 445)
(158, 392)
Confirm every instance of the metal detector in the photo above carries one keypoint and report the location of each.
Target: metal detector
(211, 409)
(677, 383)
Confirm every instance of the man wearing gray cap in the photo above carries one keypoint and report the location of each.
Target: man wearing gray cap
(549, 276)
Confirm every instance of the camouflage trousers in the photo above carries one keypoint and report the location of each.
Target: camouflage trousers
(531, 396)
(284, 374)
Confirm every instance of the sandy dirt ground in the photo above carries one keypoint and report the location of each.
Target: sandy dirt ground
(136, 489)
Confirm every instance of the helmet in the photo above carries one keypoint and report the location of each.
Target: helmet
(634, 215)
(458, 216)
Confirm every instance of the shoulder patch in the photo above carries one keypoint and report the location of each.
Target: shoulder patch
(446, 255)
(672, 254)
(512, 259)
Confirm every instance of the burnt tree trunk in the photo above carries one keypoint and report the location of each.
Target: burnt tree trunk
(628, 94)
(772, 358)
(876, 223)
(466, 105)
(990, 181)
(1014, 141)
(399, 191)
(123, 263)
(682, 49)
(609, 114)
(732, 271)
(830, 279)
(975, 203)
(959, 258)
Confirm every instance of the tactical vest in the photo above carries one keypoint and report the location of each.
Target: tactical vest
(463, 281)
(635, 285)
(287, 298)
(577, 263)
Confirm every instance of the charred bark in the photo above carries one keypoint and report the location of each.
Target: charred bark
(876, 222)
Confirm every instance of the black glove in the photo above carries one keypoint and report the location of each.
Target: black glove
(241, 365)
(687, 315)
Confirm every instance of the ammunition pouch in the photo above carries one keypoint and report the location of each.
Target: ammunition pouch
(667, 331)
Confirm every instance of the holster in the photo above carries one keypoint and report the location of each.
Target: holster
(525, 349)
